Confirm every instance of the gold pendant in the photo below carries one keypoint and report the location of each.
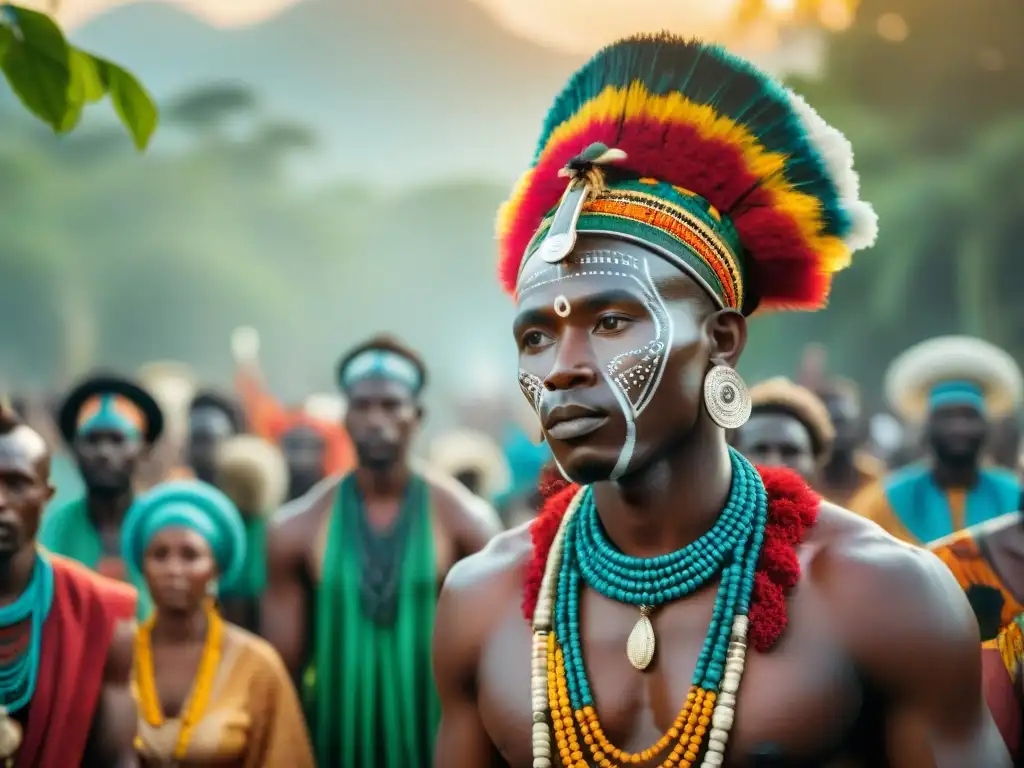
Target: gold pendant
(10, 735)
(640, 646)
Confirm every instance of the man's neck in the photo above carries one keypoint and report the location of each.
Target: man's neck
(16, 573)
(841, 470)
(672, 502)
(387, 482)
(108, 509)
(176, 628)
(955, 474)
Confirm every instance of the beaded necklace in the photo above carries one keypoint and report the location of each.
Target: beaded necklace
(582, 554)
(202, 688)
(18, 675)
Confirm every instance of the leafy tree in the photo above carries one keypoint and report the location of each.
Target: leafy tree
(56, 81)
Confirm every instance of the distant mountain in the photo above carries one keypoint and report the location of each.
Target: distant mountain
(400, 90)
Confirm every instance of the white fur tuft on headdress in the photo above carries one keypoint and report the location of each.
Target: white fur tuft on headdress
(838, 154)
(253, 474)
(326, 407)
(462, 450)
(914, 374)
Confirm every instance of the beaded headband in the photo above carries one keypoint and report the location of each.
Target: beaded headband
(381, 364)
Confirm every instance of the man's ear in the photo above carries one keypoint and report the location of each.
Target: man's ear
(727, 334)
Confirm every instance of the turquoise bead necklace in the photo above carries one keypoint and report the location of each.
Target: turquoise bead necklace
(18, 678)
(730, 549)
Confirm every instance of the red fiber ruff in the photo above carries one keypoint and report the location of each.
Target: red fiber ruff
(792, 510)
(788, 270)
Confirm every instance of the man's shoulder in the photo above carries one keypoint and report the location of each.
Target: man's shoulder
(295, 515)
(99, 603)
(880, 589)
(495, 571)
(58, 517)
(453, 501)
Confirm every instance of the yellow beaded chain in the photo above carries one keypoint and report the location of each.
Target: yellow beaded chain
(689, 728)
(202, 687)
(705, 720)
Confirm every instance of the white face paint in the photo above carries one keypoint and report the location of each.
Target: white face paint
(633, 376)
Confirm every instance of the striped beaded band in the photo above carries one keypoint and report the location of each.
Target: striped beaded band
(681, 225)
(582, 554)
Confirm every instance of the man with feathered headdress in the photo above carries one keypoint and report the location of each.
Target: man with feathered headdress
(953, 386)
(676, 189)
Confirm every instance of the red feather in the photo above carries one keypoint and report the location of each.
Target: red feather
(787, 269)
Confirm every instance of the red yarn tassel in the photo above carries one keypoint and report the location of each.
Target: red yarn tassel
(792, 511)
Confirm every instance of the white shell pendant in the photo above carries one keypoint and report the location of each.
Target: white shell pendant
(640, 646)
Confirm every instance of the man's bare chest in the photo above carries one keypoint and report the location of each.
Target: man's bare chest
(797, 706)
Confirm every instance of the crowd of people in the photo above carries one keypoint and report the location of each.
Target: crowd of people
(241, 583)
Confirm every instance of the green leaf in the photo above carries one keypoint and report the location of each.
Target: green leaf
(86, 70)
(36, 65)
(86, 86)
(6, 38)
(132, 103)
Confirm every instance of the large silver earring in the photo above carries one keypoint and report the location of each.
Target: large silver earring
(726, 397)
(213, 588)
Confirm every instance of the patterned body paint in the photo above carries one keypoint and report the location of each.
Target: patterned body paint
(634, 375)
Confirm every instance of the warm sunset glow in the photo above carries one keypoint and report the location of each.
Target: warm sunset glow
(759, 28)
(218, 13)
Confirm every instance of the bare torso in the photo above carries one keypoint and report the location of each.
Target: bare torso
(459, 524)
(806, 703)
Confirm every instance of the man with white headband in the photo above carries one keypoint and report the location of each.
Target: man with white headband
(354, 567)
(954, 386)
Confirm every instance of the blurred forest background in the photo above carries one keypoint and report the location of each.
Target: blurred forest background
(110, 258)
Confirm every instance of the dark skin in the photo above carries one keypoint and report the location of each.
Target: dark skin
(956, 435)
(108, 461)
(24, 491)
(774, 439)
(179, 567)
(303, 449)
(841, 474)
(879, 665)
(208, 427)
(382, 419)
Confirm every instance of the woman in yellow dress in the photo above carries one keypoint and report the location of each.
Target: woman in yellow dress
(209, 693)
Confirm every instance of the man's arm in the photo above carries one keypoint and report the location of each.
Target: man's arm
(283, 608)
(914, 636)
(470, 520)
(111, 738)
(458, 634)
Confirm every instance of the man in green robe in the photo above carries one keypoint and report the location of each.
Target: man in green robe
(354, 568)
(109, 423)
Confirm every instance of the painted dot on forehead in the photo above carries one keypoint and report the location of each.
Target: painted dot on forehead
(562, 306)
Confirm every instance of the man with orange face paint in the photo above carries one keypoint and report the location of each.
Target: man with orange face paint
(110, 423)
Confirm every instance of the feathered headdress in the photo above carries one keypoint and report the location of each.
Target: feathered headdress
(701, 156)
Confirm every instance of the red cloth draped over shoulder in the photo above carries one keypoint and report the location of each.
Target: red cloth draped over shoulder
(76, 640)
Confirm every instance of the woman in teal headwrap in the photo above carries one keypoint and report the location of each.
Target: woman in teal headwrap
(208, 692)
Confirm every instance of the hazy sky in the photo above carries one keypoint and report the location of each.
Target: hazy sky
(399, 90)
